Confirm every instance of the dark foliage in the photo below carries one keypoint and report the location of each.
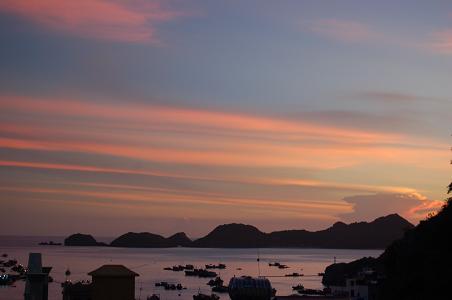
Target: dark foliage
(418, 265)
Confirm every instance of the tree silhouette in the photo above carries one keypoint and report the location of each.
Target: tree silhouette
(449, 188)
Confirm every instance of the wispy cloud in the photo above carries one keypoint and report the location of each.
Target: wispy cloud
(440, 42)
(125, 21)
(202, 137)
(155, 158)
(343, 30)
(388, 96)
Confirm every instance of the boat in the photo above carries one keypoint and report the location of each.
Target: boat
(10, 263)
(220, 289)
(162, 283)
(200, 296)
(200, 273)
(193, 272)
(5, 279)
(274, 264)
(178, 268)
(170, 287)
(311, 292)
(49, 243)
(283, 267)
(298, 287)
(219, 266)
(216, 282)
(205, 273)
(153, 297)
(294, 275)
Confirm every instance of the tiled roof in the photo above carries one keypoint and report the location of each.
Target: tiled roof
(113, 271)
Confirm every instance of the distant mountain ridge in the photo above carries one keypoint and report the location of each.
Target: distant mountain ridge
(80, 239)
(377, 234)
(150, 240)
(416, 266)
(363, 235)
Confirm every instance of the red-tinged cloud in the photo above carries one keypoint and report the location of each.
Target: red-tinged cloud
(441, 42)
(343, 30)
(201, 162)
(125, 21)
(200, 137)
(199, 119)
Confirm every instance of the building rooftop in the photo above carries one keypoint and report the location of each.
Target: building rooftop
(113, 271)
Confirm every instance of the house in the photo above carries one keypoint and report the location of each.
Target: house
(113, 282)
(363, 286)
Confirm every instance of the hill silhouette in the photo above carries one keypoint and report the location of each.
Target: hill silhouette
(360, 235)
(179, 239)
(80, 239)
(150, 240)
(232, 236)
(416, 266)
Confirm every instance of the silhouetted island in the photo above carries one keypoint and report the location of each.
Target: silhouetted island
(80, 239)
(377, 234)
(417, 266)
(150, 240)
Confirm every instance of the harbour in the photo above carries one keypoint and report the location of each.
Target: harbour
(150, 264)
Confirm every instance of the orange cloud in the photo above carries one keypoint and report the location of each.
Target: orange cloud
(199, 119)
(110, 20)
(222, 161)
(160, 199)
(201, 137)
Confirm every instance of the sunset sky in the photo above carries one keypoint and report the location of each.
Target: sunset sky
(168, 116)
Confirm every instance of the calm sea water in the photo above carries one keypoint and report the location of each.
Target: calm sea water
(149, 263)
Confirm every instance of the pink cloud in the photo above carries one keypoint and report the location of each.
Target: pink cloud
(343, 30)
(125, 21)
(389, 96)
(441, 42)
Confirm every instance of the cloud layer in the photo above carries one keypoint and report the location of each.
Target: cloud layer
(125, 21)
(153, 160)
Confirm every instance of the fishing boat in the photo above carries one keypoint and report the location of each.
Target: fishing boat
(200, 296)
(298, 287)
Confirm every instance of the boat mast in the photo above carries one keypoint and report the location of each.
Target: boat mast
(258, 263)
